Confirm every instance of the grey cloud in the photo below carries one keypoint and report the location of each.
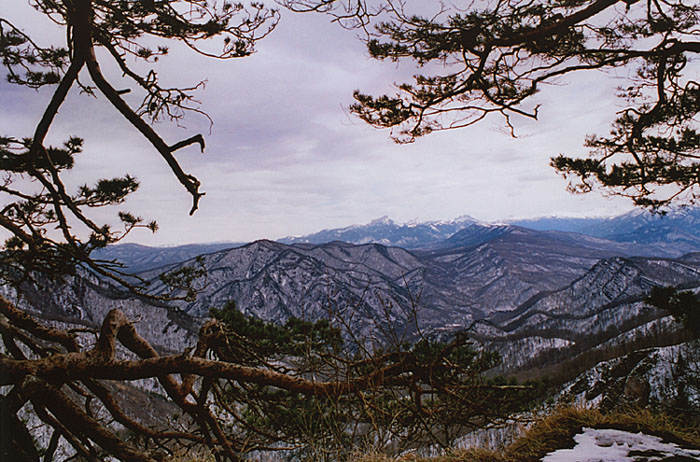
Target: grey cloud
(284, 158)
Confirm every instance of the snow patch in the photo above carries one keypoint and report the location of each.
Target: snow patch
(385, 220)
(609, 445)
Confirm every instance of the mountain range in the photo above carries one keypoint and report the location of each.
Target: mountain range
(677, 230)
(385, 231)
(652, 234)
(138, 258)
(529, 294)
(479, 270)
(524, 292)
(554, 297)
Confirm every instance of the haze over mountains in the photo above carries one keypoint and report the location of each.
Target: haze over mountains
(139, 258)
(557, 298)
(679, 227)
(530, 293)
(387, 232)
(640, 232)
(552, 303)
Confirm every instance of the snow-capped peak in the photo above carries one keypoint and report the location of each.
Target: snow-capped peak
(385, 220)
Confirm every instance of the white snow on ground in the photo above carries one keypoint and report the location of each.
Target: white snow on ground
(608, 445)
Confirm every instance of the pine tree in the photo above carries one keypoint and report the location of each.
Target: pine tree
(491, 58)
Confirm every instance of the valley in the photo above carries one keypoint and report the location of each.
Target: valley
(554, 305)
(526, 293)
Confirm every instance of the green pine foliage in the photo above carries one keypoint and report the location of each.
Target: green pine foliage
(425, 393)
(123, 32)
(489, 59)
(684, 306)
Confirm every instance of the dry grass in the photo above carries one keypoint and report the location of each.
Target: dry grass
(204, 456)
(459, 455)
(557, 430)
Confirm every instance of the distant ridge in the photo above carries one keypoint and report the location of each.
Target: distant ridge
(138, 258)
(538, 298)
(385, 231)
(677, 231)
(480, 270)
(671, 235)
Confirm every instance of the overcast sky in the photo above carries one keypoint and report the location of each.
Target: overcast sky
(284, 157)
